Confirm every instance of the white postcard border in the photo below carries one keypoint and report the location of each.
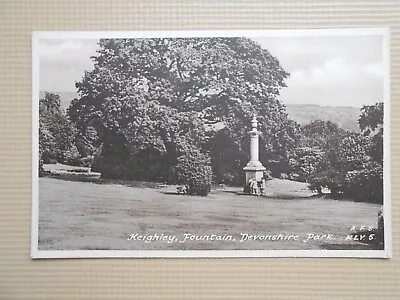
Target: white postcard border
(39, 254)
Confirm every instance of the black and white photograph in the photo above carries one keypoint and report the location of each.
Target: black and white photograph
(211, 144)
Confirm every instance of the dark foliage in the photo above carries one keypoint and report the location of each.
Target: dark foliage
(156, 96)
(56, 133)
(194, 170)
(347, 163)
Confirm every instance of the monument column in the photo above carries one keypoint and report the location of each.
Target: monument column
(254, 168)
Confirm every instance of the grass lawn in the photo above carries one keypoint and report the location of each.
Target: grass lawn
(91, 216)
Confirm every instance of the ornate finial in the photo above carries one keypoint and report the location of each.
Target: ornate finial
(254, 121)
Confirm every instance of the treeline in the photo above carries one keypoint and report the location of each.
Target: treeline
(57, 134)
(178, 111)
(325, 156)
(347, 163)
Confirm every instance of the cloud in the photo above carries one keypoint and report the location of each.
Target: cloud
(63, 62)
(336, 71)
(54, 50)
(67, 52)
(330, 70)
(336, 82)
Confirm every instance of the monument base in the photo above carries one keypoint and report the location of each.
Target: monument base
(257, 174)
(254, 170)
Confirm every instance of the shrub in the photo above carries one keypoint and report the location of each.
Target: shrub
(194, 170)
(267, 175)
(376, 234)
(331, 179)
(380, 236)
(41, 170)
(71, 157)
(111, 167)
(87, 161)
(366, 184)
(283, 176)
(304, 161)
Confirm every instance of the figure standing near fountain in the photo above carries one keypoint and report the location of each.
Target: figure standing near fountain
(263, 187)
(254, 186)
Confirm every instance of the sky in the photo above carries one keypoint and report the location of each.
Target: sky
(325, 70)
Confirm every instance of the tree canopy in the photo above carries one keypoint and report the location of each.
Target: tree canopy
(178, 110)
(371, 125)
(56, 133)
(151, 95)
(347, 163)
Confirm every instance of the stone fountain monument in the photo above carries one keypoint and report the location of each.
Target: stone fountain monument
(254, 168)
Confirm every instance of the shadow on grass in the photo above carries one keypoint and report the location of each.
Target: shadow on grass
(158, 185)
(128, 183)
(173, 193)
(277, 196)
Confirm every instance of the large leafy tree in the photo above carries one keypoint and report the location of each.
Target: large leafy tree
(151, 95)
(56, 133)
(315, 158)
(351, 163)
(371, 125)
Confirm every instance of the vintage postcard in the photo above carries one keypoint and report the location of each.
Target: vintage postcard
(211, 144)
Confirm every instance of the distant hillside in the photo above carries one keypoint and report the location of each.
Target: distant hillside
(345, 117)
